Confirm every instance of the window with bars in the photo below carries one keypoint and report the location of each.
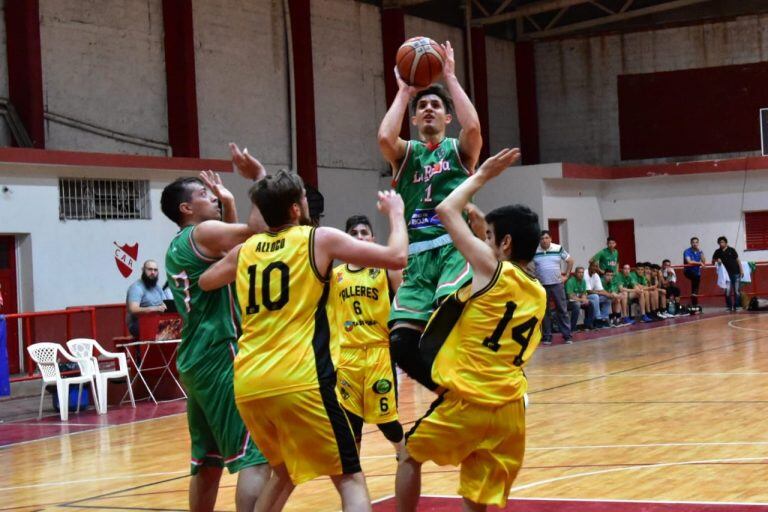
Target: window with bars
(84, 199)
(756, 225)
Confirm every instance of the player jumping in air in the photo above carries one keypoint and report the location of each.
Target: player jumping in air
(425, 171)
(488, 330)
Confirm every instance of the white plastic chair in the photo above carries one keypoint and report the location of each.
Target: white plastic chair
(84, 348)
(46, 355)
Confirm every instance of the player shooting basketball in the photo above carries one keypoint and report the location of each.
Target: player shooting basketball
(425, 171)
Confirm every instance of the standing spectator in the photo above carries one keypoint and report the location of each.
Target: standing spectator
(547, 262)
(576, 291)
(693, 259)
(600, 298)
(729, 258)
(144, 296)
(607, 258)
(669, 281)
(612, 285)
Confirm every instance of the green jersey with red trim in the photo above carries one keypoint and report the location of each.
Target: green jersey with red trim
(426, 177)
(210, 318)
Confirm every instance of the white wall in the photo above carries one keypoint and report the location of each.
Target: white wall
(73, 261)
(104, 63)
(576, 79)
(242, 78)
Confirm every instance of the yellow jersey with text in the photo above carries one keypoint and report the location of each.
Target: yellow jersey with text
(490, 335)
(359, 302)
(285, 345)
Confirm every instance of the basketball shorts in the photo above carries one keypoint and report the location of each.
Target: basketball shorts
(366, 383)
(429, 277)
(487, 442)
(308, 431)
(219, 437)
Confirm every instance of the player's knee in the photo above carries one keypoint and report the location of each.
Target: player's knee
(393, 431)
(404, 348)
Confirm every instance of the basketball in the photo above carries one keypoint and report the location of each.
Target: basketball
(420, 61)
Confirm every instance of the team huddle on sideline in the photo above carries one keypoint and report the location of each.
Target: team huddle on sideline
(284, 356)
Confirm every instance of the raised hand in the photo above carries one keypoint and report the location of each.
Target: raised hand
(245, 164)
(390, 202)
(402, 86)
(496, 164)
(212, 180)
(449, 66)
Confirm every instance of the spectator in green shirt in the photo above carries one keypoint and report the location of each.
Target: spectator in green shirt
(612, 286)
(576, 291)
(607, 258)
(634, 290)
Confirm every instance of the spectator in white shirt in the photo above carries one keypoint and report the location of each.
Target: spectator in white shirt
(601, 300)
(548, 267)
(669, 281)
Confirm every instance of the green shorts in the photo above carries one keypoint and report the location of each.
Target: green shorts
(218, 434)
(429, 277)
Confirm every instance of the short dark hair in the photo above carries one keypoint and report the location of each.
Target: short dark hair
(521, 224)
(694, 238)
(578, 268)
(655, 266)
(356, 220)
(608, 271)
(174, 194)
(610, 239)
(665, 261)
(544, 232)
(722, 239)
(275, 194)
(439, 91)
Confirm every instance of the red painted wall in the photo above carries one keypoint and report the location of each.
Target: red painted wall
(691, 112)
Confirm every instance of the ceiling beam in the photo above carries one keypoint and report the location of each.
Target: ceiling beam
(605, 20)
(529, 10)
(393, 4)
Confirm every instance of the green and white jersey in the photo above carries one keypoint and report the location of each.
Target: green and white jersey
(210, 318)
(426, 177)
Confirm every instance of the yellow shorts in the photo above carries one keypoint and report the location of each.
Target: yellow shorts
(488, 443)
(307, 431)
(366, 383)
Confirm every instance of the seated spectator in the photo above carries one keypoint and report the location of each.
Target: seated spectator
(619, 298)
(669, 281)
(601, 300)
(653, 276)
(630, 285)
(576, 291)
(144, 296)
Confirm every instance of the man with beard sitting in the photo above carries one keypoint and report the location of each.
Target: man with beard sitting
(144, 296)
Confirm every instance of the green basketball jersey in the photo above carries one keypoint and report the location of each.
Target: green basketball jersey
(210, 318)
(424, 179)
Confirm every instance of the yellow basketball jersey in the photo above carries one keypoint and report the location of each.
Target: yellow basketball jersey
(285, 342)
(495, 334)
(359, 303)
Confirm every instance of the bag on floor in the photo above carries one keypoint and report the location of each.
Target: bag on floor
(758, 304)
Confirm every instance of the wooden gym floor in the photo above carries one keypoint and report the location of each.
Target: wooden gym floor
(660, 419)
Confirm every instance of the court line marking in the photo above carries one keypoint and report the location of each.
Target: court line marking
(96, 428)
(91, 480)
(733, 322)
(650, 374)
(632, 468)
(609, 500)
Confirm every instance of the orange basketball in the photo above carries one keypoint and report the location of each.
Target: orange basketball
(420, 61)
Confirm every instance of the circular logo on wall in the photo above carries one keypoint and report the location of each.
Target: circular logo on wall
(382, 387)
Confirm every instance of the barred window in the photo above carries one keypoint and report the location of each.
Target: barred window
(84, 199)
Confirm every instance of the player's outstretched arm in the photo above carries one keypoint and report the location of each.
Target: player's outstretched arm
(478, 254)
(222, 272)
(212, 180)
(470, 137)
(391, 145)
(245, 164)
(331, 243)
